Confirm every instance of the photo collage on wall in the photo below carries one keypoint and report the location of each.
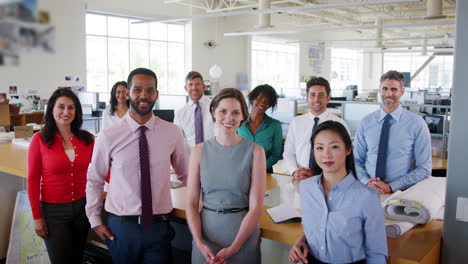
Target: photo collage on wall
(23, 29)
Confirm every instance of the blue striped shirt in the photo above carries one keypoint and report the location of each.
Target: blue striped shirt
(409, 158)
(348, 226)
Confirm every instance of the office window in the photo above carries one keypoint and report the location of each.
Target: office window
(276, 65)
(115, 46)
(437, 75)
(346, 63)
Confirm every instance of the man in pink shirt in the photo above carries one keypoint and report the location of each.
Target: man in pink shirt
(139, 150)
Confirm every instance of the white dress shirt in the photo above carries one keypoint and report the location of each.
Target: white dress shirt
(297, 146)
(108, 119)
(185, 119)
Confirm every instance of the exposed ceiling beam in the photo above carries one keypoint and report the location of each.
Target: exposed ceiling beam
(357, 27)
(368, 39)
(281, 10)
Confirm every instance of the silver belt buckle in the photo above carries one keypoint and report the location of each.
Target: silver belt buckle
(139, 219)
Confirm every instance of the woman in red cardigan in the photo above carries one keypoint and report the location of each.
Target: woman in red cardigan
(58, 159)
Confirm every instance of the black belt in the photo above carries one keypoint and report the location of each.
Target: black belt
(312, 260)
(137, 218)
(226, 211)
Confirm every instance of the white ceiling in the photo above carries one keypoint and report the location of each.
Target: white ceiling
(388, 14)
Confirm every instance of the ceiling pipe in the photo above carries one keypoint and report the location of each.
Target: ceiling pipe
(378, 32)
(434, 9)
(340, 28)
(264, 20)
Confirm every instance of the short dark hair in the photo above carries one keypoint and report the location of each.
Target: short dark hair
(141, 71)
(318, 81)
(268, 91)
(113, 99)
(192, 75)
(50, 128)
(393, 75)
(343, 133)
(229, 93)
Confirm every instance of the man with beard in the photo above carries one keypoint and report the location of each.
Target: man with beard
(139, 151)
(194, 119)
(392, 146)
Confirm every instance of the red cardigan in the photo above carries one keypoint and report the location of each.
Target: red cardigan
(52, 177)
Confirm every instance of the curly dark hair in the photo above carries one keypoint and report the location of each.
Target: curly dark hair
(268, 91)
(113, 99)
(343, 133)
(50, 128)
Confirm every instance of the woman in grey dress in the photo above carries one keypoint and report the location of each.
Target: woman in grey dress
(229, 172)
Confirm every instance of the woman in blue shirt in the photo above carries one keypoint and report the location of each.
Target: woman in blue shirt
(342, 218)
(262, 129)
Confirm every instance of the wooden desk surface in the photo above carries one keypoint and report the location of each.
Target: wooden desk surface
(439, 163)
(419, 245)
(14, 159)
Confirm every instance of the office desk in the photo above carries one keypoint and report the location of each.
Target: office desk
(419, 245)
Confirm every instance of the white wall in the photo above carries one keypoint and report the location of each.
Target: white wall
(371, 71)
(229, 53)
(44, 71)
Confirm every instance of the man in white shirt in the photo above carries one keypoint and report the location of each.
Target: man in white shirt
(194, 119)
(297, 149)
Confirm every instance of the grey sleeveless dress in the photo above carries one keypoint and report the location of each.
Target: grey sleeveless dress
(225, 183)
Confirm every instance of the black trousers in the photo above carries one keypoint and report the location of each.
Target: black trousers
(68, 229)
(312, 260)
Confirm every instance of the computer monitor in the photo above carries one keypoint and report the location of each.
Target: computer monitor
(174, 102)
(336, 105)
(165, 114)
(87, 110)
(435, 123)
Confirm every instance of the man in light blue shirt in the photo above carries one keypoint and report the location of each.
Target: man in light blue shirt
(408, 158)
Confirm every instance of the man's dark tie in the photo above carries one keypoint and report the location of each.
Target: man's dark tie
(383, 148)
(311, 157)
(198, 124)
(146, 197)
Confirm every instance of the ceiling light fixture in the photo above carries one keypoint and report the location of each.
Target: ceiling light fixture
(281, 9)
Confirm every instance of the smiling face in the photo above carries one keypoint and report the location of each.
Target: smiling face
(64, 111)
(121, 94)
(330, 152)
(390, 93)
(195, 89)
(261, 104)
(317, 99)
(143, 94)
(228, 115)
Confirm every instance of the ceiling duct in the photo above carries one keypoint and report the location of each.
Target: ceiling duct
(434, 9)
(264, 20)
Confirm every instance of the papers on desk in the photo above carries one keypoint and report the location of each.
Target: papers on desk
(6, 137)
(417, 205)
(283, 213)
(22, 141)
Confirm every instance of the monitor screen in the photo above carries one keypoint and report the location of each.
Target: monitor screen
(171, 101)
(435, 123)
(87, 109)
(165, 114)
